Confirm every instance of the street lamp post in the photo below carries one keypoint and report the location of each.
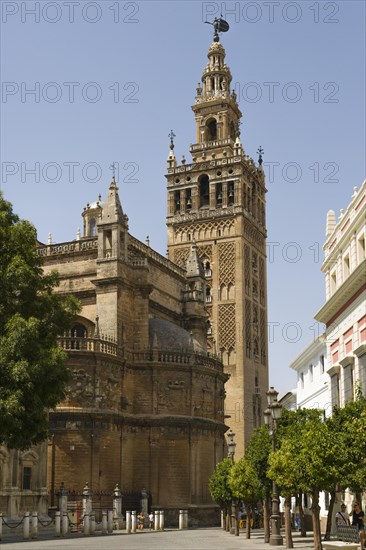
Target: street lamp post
(271, 415)
(234, 529)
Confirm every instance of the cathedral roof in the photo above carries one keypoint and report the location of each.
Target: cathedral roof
(166, 336)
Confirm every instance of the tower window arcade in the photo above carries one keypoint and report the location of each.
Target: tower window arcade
(204, 190)
(211, 129)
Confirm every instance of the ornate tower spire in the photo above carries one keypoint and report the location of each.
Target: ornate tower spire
(218, 202)
(216, 109)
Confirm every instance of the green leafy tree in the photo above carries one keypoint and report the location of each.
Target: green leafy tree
(246, 486)
(257, 453)
(310, 459)
(33, 369)
(349, 425)
(219, 488)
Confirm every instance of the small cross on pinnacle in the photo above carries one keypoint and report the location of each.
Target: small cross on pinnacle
(113, 168)
(172, 136)
(260, 152)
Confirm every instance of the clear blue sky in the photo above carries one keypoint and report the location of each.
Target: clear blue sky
(299, 70)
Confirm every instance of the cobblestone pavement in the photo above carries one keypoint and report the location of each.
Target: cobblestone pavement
(197, 539)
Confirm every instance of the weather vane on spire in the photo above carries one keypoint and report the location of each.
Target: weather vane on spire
(219, 25)
(172, 136)
(113, 168)
(260, 152)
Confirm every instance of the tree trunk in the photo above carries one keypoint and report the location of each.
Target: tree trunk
(330, 513)
(249, 516)
(227, 519)
(302, 517)
(236, 520)
(266, 517)
(315, 510)
(288, 534)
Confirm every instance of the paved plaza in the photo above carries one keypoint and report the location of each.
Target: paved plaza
(195, 539)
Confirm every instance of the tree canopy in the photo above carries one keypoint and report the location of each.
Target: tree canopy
(33, 373)
(218, 485)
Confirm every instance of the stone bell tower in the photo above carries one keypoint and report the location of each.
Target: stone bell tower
(218, 202)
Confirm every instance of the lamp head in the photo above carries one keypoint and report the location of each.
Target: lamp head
(271, 395)
(267, 416)
(276, 409)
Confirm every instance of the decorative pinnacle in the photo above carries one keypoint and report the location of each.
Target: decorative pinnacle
(172, 136)
(238, 131)
(260, 152)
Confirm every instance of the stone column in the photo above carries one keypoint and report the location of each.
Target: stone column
(185, 519)
(57, 524)
(87, 499)
(62, 499)
(144, 502)
(86, 524)
(26, 526)
(117, 506)
(156, 520)
(65, 523)
(181, 519)
(92, 523)
(104, 522)
(34, 532)
(128, 522)
(161, 522)
(133, 522)
(110, 521)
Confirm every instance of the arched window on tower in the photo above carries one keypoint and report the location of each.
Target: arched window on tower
(204, 190)
(219, 194)
(188, 199)
(92, 227)
(211, 132)
(207, 268)
(208, 295)
(230, 193)
(177, 201)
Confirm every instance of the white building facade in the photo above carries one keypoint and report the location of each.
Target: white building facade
(313, 391)
(344, 312)
(331, 367)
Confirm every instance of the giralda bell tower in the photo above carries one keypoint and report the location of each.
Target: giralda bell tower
(218, 202)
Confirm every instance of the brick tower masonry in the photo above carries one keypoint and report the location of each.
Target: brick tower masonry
(218, 202)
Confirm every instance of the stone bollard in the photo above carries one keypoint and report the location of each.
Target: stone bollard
(86, 524)
(128, 522)
(64, 524)
(1, 525)
(156, 520)
(26, 526)
(117, 507)
(222, 519)
(110, 521)
(34, 532)
(133, 521)
(62, 499)
(104, 523)
(92, 524)
(87, 499)
(185, 519)
(181, 519)
(161, 522)
(57, 523)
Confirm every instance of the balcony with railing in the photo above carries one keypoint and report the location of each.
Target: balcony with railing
(77, 344)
